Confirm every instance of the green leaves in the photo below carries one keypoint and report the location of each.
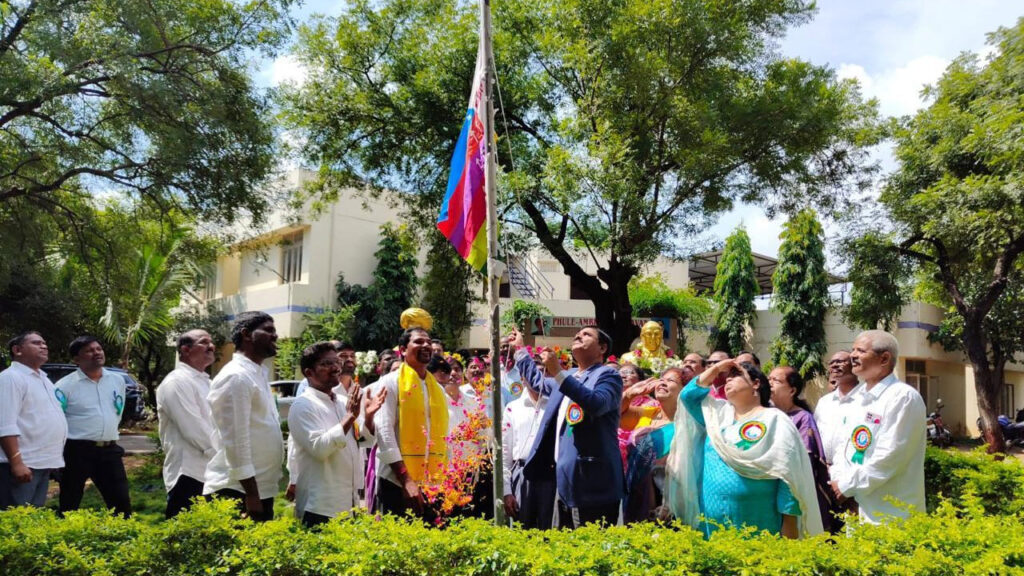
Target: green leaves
(735, 289)
(801, 296)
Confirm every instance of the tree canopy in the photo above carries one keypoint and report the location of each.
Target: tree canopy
(622, 126)
(151, 98)
(800, 296)
(956, 208)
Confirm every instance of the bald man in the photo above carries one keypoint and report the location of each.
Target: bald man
(186, 427)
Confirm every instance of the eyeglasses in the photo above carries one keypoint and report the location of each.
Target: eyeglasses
(627, 372)
(674, 381)
(326, 363)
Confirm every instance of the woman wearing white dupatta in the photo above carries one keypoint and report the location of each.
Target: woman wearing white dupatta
(737, 461)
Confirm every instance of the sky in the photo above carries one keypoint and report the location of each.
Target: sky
(892, 47)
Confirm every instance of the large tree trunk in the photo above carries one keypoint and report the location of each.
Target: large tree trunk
(989, 376)
(612, 310)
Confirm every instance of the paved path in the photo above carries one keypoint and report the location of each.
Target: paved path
(137, 444)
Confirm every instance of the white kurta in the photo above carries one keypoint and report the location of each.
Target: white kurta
(247, 431)
(329, 464)
(829, 418)
(519, 427)
(893, 461)
(186, 425)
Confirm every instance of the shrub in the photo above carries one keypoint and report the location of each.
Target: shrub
(975, 530)
(996, 484)
(211, 539)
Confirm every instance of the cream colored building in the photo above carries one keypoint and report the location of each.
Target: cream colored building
(291, 268)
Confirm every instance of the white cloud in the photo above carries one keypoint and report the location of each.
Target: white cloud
(898, 89)
(287, 70)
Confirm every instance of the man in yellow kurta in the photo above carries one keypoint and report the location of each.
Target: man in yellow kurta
(411, 428)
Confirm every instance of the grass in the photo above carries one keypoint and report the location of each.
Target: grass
(146, 486)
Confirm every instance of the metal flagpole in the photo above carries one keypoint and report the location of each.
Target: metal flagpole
(493, 266)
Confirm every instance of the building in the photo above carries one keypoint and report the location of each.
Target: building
(292, 266)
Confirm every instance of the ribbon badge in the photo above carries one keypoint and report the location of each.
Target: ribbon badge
(750, 434)
(118, 403)
(861, 440)
(62, 398)
(515, 389)
(573, 416)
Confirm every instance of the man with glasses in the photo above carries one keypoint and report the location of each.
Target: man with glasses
(325, 430)
(827, 413)
(880, 461)
(32, 425)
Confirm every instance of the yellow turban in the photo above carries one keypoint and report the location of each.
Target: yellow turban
(416, 318)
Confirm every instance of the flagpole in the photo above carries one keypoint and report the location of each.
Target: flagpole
(493, 267)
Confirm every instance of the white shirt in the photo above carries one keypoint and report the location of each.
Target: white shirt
(893, 461)
(458, 412)
(386, 423)
(247, 432)
(186, 425)
(827, 414)
(519, 426)
(93, 409)
(301, 387)
(329, 458)
(29, 409)
(366, 439)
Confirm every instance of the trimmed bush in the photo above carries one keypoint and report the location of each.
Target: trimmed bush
(975, 530)
(212, 540)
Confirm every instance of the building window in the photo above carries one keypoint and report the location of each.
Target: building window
(1009, 406)
(916, 367)
(210, 282)
(291, 258)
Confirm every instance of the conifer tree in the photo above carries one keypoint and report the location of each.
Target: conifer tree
(801, 296)
(735, 289)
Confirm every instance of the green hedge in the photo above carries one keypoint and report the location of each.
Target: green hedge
(997, 484)
(961, 536)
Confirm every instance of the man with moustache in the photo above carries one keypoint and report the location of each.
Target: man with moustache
(694, 362)
(344, 384)
(325, 431)
(186, 425)
(577, 442)
(32, 425)
(881, 458)
(411, 429)
(827, 413)
(93, 400)
(246, 465)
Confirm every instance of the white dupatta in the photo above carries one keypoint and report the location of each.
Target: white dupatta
(779, 453)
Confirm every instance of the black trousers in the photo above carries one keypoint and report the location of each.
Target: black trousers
(104, 465)
(180, 497)
(268, 504)
(311, 519)
(537, 504)
(390, 500)
(573, 518)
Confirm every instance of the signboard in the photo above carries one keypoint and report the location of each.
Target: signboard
(577, 322)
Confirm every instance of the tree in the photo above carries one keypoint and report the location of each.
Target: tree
(151, 98)
(623, 126)
(329, 324)
(880, 281)
(800, 296)
(735, 289)
(956, 205)
(651, 296)
(447, 291)
(391, 292)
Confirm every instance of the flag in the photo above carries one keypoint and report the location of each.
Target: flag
(463, 215)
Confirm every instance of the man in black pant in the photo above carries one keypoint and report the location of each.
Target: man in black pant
(186, 425)
(93, 400)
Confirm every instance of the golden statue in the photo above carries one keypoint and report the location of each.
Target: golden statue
(416, 318)
(650, 344)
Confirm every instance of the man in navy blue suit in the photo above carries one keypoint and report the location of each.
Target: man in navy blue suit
(577, 443)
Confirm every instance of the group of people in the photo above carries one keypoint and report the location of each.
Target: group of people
(67, 430)
(711, 441)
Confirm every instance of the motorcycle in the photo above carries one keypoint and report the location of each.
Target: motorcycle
(938, 434)
(1013, 431)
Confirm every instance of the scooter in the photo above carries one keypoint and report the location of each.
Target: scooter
(1013, 432)
(938, 434)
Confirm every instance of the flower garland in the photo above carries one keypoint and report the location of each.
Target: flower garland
(655, 364)
(469, 455)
